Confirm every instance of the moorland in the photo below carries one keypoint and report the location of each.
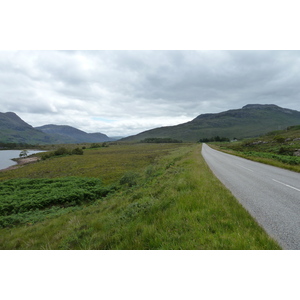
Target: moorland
(148, 191)
(123, 196)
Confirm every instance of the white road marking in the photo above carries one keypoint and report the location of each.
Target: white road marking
(287, 185)
(245, 168)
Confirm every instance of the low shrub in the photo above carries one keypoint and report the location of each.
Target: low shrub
(77, 151)
(23, 199)
(290, 160)
(93, 146)
(279, 139)
(61, 151)
(130, 179)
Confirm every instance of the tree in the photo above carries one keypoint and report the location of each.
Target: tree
(23, 154)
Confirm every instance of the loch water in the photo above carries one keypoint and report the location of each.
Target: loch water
(6, 157)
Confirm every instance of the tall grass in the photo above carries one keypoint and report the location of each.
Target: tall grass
(171, 201)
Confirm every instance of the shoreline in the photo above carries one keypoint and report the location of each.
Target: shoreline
(21, 162)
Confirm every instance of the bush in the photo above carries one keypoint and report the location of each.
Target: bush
(95, 146)
(47, 155)
(130, 179)
(77, 151)
(279, 139)
(285, 151)
(61, 151)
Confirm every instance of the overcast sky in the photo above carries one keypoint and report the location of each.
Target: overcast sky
(121, 93)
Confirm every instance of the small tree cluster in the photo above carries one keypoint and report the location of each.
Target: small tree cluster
(99, 146)
(63, 151)
(160, 140)
(4, 145)
(214, 139)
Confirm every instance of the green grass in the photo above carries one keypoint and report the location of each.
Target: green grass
(239, 123)
(166, 198)
(31, 200)
(275, 148)
(109, 164)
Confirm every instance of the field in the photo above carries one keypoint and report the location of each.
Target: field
(135, 196)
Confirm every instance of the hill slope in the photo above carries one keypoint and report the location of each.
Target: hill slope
(70, 134)
(250, 121)
(14, 130)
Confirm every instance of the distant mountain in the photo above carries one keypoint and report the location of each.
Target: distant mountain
(115, 138)
(14, 130)
(72, 135)
(250, 121)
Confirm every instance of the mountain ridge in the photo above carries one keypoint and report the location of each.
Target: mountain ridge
(72, 134)
(249, 121)
(15, 130)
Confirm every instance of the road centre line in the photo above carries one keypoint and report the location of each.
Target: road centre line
(245, 168)
(286, 185)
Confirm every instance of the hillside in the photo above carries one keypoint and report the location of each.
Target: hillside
(14, 130)
(279, 148)
(69, 134)
(250, 121)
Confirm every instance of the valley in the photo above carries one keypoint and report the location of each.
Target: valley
(153, 190)
(160, 196)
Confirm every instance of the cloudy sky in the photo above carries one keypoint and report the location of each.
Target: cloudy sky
(122, 93)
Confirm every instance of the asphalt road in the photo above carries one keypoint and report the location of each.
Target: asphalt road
(270, 194)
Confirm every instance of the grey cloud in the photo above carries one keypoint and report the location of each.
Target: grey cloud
(144, 85)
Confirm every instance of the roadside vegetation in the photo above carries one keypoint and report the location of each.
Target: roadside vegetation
(214, 139)
(278, 148)
(136, 196)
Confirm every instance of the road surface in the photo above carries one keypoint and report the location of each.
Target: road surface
(270, 194)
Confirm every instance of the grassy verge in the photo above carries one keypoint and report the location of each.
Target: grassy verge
(278, 148)
(291, 163)
(166, 198)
